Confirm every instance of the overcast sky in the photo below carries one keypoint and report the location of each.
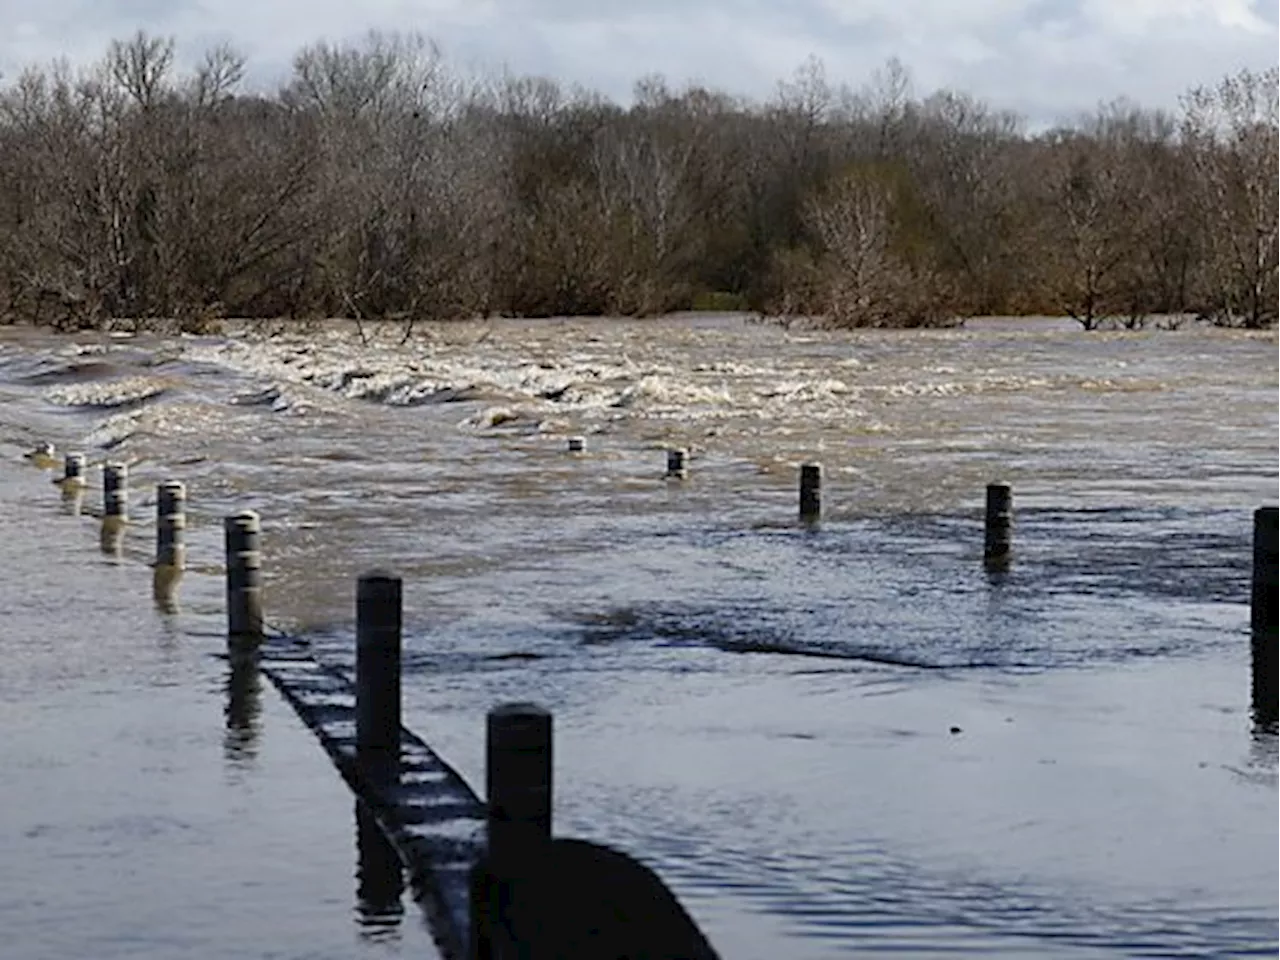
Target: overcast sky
(1045, 58)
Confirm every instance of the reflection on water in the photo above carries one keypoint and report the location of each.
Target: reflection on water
(1262, 685)
(1263, 749)
(123, 833)
(379, 880)
(761, 711)
(72, 498)
(243, 707)
(165, 581)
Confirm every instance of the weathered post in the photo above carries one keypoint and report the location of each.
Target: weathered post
(1262, 617)
(115, 505)
(810, 492)
(379, 873)
(486, 913)
(999, 527)
(1265, 604)
(505, 884)
(73, 482)
(518, 784)
(577, 444)
(244, 578)
(171, 549)
(378, 605)
(73, 470)
(677, 467)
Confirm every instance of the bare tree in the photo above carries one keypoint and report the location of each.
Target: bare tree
(642, 175)
(380, 183)
(962, 163)
(1086, 227)
(1231, 135)
(412, 188)
(864, 279)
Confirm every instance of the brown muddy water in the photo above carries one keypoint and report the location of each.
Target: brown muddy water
(761, 712)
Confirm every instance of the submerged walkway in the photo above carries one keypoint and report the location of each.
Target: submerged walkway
(433, 817)
(153, 807)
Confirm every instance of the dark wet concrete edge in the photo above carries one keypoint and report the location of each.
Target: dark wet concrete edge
(433, 818)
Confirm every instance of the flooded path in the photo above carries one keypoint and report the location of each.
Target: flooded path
(762, 713)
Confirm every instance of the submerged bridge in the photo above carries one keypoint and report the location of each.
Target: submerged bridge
(494, 881)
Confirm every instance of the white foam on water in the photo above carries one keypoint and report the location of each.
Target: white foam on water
(108, 393)
(278, 399)
(113, 431)
(535, 388)
(502, 417)
(752, 385)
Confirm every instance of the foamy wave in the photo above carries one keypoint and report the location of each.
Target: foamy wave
(506, 418)
(598, 379)
(272, 396)
(405, 389)
(804, 391)
(670, 391)
(1109, 385)
(951, 388)
(114, 431)
(109, 393)
(733, 369)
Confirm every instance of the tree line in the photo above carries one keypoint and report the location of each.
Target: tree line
(377, 182)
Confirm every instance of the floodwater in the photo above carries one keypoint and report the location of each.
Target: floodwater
(833, 741)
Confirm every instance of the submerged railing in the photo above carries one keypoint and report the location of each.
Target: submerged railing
(495, 882)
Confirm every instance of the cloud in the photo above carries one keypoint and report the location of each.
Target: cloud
(1046, 58)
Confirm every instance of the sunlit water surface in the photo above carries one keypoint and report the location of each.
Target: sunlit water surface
(762, 712)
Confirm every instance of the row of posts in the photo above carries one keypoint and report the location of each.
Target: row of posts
(518, 755)
(997, 549)
(518, 765)
(998, 535)
(243, 532)
(244, 565)
(518, 751)
(519, 735)
(171, 524)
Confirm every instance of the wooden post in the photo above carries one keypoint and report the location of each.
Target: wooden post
(810, 492)
(676, 463)
(486, 913)
(378, 605)
(999, 527)
(171, 549)
(73, 470)
(1265, 603)
(244, 578)
(577, 444)
(73, 483)
(1265, 620)
(518, 784)
(379, 873)
(115, 490)
(115, 505)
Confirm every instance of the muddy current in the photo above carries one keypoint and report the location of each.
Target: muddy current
(845, 739)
